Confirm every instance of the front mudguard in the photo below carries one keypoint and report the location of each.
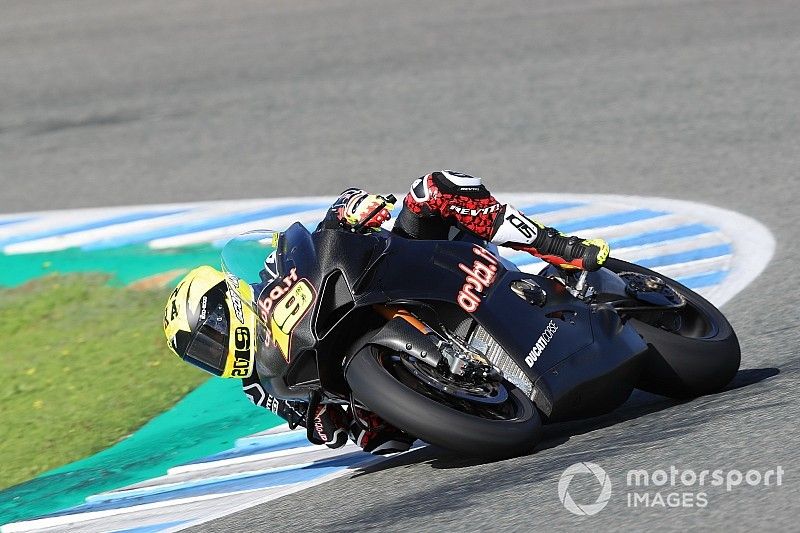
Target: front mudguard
(400, 336)
(675, 366)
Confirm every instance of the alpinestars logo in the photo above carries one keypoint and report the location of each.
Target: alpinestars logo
(541, 343)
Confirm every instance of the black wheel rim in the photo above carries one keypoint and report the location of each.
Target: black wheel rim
(509, 408)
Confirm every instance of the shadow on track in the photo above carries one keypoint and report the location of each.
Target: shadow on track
(639, 404)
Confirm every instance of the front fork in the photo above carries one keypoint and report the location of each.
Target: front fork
(459, 358)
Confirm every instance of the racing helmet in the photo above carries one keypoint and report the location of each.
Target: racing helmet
(207, 324)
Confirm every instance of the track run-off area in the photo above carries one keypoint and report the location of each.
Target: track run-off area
(699, 245)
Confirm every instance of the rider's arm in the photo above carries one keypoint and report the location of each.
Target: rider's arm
(463, 200)
(294, 412)
(513, 229)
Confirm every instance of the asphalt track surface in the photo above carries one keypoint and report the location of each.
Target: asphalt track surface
(105, 103)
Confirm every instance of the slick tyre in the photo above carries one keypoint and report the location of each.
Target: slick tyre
(700, 358)
(382, 385)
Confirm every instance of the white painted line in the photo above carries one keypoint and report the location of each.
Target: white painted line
(637, 227)
(369, 461)
(71, 519)
(69, 240)
(283, 428)
(575, 213)
(54, 220)
(694, 268)
(169, 487)
(197, 467)
(272, 493)
(634, 253)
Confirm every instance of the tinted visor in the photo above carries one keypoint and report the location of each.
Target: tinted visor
(208, 348)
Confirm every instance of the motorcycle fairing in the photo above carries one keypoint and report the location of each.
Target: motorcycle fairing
(589, 351)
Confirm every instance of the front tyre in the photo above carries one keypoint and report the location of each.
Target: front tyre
(701, 356)
(380, 381)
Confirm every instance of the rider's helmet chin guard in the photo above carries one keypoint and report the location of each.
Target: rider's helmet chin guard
(207, 323)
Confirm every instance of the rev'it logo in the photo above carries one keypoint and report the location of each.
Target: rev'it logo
(475, 212)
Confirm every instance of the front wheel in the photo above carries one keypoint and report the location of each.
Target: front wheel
(693, 350)
(497, 420)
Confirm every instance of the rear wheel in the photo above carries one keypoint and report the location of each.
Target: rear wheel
(487, 419)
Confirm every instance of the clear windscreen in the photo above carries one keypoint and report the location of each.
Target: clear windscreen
(251, 258)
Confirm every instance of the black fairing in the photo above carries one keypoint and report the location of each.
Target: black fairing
(589, 366)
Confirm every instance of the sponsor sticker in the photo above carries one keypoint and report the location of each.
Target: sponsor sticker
(480, 276)
(541, 343)
(284, 306)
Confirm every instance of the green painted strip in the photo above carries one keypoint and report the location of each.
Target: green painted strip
(208, 420)
(127, 264)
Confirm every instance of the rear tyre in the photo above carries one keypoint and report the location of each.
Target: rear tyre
(381, 382)
(700, 357)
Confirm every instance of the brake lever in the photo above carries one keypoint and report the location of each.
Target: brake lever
(580, 285)
(582, 290)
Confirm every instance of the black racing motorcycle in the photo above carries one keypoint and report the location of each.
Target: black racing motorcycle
(454, 345)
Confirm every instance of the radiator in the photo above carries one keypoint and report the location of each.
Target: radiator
(501, 361)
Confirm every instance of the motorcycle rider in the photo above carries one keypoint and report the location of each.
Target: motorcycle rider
(201, 314)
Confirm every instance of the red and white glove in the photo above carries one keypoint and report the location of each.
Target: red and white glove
(359, 205)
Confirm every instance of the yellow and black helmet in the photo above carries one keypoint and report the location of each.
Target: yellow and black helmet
(208, 324)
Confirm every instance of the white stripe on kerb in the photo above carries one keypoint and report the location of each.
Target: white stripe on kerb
(279, 222)
(693, 268)
(670, 247)
(198, 467)
(552, 218)
(635, 228)
(81, 238)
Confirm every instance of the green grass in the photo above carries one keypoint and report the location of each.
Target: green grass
(83, 365)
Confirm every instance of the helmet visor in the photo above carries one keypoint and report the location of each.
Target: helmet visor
(208, 348)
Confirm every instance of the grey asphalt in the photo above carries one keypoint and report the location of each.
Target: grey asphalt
(110, 102)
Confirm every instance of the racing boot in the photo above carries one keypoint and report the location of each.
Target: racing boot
(376, 436)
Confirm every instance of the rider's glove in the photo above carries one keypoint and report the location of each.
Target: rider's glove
(328, 425)
(357, 207)
(595, 254)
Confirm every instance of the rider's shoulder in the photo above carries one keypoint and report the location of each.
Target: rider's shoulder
(446, 181)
